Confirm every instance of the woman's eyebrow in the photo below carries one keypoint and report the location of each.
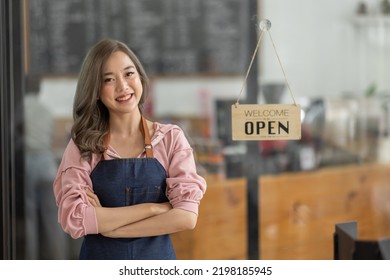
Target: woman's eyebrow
(124, 69)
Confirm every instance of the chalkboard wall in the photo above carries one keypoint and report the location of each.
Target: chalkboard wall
(171, 37)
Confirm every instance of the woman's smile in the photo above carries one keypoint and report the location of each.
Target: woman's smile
(124, 98)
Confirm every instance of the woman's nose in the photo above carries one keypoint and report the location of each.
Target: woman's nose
(122, 84)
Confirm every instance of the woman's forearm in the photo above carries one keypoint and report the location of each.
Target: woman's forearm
(172, 221)
(109, 219)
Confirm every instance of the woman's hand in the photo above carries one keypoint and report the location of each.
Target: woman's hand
(93, 199)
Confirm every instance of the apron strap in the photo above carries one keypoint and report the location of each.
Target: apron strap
(106, 141)
(145, 133)
(148, 143)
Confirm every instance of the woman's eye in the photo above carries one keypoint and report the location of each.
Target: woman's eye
(107, 80)
(129, 74)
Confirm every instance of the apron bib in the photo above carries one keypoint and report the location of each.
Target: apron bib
(124, 182)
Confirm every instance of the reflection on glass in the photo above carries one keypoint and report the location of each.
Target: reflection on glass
(44, 237)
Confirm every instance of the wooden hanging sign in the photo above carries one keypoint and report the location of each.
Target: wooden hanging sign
(266, 122)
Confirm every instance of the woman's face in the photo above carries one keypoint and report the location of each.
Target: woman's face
(122, 88)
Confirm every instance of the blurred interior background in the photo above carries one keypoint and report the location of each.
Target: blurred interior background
(336, 56)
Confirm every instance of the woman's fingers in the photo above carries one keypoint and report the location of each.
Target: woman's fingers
(93, 199)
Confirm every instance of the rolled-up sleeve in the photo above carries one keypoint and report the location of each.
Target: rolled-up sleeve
(185, 188)
(76, 216)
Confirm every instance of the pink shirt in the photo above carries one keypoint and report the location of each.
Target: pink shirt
(185, 188)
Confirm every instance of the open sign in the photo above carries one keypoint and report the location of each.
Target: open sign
(266, 122)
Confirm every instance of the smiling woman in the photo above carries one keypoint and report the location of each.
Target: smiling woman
(125, 183)
(89, 113)
(121, 84)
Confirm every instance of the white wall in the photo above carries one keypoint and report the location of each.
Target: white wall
(322, 51)
(57, 94)
(193, 96)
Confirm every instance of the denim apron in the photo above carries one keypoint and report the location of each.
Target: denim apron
(123, 182)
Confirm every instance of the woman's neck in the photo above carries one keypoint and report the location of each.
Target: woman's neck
(125, 124)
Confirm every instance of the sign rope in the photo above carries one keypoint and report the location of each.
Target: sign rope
(264, 25)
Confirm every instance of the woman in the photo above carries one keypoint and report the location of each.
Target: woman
(124, 183)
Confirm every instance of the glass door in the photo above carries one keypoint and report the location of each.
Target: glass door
(11, 130)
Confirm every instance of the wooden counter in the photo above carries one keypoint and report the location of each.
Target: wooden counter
(298, 213)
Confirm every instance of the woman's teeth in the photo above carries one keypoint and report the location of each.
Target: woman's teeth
(124, 98)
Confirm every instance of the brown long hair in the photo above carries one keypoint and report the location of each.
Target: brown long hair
(90, 115)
